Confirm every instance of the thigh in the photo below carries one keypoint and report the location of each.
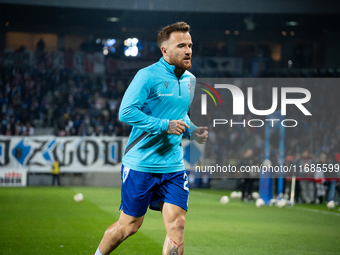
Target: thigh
(127, 220)
(173, 189)
(172, 213)
(137, 188)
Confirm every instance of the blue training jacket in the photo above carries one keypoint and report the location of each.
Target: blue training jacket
(154, 97)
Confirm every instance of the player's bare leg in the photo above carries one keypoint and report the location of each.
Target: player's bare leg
(174, 220)
(115, 234)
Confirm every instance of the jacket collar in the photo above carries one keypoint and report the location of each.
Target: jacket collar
(170, 68)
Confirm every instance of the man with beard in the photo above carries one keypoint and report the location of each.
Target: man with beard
(156, 104)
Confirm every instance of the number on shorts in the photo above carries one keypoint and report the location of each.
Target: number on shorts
(185, 177)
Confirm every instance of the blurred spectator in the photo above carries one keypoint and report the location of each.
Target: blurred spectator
(4, 122)
(247, 183)
(320, 180)
(307, 185)
(333, 186)
(40, 45)
(30, 129)
(55, 171)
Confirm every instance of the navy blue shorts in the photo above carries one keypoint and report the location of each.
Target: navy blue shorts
(141, 190)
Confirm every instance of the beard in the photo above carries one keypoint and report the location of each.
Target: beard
(179, 62)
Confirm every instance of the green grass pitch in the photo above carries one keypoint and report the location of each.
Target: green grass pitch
(46, 220)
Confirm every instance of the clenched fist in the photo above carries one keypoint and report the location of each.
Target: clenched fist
(177, 127)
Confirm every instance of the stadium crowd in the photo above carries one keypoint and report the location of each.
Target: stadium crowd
(72, 103)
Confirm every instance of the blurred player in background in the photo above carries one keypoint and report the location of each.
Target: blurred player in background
(247, 183)
(307, 182)
(156, 104)
(55, 171)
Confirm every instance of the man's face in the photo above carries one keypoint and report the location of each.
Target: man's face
(248, 153)
(305, 154)
(178, 49)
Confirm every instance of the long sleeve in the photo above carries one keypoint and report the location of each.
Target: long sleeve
(131, 109)
(192, 127)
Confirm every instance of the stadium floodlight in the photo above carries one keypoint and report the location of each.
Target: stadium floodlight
(128, 42)
(134, 51)
(108, 45)
(110, 42)
(292, 23)
(131, 48)
(134, 41)
(113, 19)
(127, 52)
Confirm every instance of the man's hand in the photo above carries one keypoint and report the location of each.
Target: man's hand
(201, 134)
(176, 127)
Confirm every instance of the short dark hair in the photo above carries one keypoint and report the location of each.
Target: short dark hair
(165, 33)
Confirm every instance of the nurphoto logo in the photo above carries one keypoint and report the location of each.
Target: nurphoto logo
(238, 107)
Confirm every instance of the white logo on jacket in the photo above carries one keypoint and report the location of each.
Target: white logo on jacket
(166, 95)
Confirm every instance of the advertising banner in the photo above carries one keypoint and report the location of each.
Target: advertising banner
(13, 178)
(75, 154)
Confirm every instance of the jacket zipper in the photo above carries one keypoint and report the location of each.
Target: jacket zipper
(179, 87)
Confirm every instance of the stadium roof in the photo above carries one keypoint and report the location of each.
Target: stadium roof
(98, 20)
(215, 6)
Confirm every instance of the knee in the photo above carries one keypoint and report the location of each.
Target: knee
(178, 224)
(129, 229)
(122, 230)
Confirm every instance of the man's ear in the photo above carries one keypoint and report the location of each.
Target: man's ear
(164, 50)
